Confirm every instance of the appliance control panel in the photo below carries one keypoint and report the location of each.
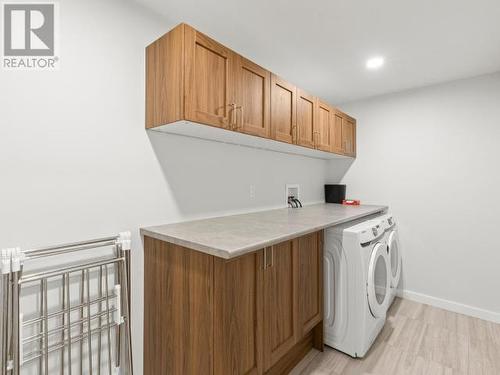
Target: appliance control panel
(372, 231)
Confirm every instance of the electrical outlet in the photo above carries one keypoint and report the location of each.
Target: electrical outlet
(292, 190)
(252, 191)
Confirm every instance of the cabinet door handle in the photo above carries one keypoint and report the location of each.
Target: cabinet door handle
(315, 139)
(242, 118)
(294, 133)
(238, 125)
(231, 117)
(266, 264)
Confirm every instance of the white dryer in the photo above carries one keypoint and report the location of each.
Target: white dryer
(357, 285)
(391, 238)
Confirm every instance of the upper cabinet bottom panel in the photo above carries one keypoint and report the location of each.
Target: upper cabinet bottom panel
(195, 130)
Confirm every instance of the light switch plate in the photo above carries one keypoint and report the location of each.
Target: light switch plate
(252, 191)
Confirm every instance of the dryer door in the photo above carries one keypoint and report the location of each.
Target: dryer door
(394, 252)
(379, 281)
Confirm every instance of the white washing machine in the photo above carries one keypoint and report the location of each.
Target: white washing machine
(357, 285)
(391, 239)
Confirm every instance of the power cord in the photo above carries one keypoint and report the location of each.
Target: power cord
(294, 202)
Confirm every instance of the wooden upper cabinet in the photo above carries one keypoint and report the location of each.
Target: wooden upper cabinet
(252, 98)
(337, 141)
(306, 109)
(310, 265)
(280, 301)
(238, 308)
(209, 79)
(349, 134)
(344, 134)
(283, 110)
(323, 126)
(190, 76)
(165, 79)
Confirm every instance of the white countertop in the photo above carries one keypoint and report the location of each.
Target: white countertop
(231, 236)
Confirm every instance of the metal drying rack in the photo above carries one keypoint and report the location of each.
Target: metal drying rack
(86, 332)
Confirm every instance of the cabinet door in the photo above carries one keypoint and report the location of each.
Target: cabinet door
(178, 310)
(280, 301)
(351, 144)
(238, 315)
(310, 259)
(323, 126)
(283, 110)
(209, 68)
(349, 136)
(305, 119)
(252, 99)
(337, 139)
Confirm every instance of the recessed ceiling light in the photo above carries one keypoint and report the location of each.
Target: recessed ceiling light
(375, 63)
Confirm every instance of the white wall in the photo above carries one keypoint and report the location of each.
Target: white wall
(76, 162)
(432, 155)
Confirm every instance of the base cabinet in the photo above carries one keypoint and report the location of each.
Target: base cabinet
(178, 310)
(248, 315)
(280, 303)
(310, 275)
(238, 291)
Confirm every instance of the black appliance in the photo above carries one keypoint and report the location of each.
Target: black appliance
(334, 193)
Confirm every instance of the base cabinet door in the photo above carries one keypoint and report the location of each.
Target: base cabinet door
(280, 301)
(310, 292)
(209, 77)
(178, 310)
(238, 308)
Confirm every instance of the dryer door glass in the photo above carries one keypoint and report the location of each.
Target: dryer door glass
(395, 257)
(378, 282)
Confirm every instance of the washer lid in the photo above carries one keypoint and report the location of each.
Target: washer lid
(394, 253)
(379, 281)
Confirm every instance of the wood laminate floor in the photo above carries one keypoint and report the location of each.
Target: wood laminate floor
(418, 340)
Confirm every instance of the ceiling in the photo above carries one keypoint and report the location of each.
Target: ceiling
(322, 45)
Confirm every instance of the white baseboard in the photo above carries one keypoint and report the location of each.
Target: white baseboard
(450, 305)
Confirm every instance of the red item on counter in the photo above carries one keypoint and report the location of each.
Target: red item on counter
(351, 202)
